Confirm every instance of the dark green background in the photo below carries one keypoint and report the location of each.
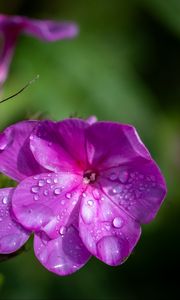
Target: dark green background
(124, 66)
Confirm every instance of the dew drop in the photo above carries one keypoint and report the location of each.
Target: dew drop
(117, 222)
(62, 230)
(114, 191)
(55, 180)
(36, 197)
(41, 182)
(57, 191)
(62, 202)
(45, 192)
(68, 195)
(90, 202)
(108, 227)
(5, 200)
(84, 195)
(48, 180)
(123, 176)
(34, 189)
(113, 176)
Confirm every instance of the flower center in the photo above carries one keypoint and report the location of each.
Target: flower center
(89, 176)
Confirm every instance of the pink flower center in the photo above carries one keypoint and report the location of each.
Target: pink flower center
(89, 176)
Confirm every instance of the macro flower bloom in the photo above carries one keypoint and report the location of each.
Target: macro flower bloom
(46, 30)
(85, 188)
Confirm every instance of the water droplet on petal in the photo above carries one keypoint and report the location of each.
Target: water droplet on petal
(62, 230)
(57, 191)
(35, 189)
(84, 195)
(117, 222)
(108, 227)
(36, 197)
(5, 200)
(45, 192)
(62, 202)
(113, 176)
(3, 141)
(56, 180)
(87, 213)
(114, 191)
(48, 180)
(41, 182)
(68, 195)
(90, 202)
(123, 176)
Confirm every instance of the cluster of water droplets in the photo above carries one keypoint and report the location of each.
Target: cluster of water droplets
(48, 186)
(127, 188)
(11, 233)
(109, 224)
(4, 207)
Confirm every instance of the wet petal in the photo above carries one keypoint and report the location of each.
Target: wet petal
(16, 158)
(47, 202)
(12, 234)
(60, 145)
(110, 144)
(63, 255)
(106, 230)
(138, 188)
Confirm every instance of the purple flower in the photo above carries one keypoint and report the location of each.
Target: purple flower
(12, 26)
(85, 187)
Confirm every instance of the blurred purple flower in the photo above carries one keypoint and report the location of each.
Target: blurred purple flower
(85, 188)
(12, 26)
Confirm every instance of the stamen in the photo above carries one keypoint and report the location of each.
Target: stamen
(89, 176)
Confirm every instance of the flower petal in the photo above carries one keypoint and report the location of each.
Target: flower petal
(48, 30)
(63, 255)
(110, 144)
(138, 188)
(60, 146)
(12, 235)
(16, 158)
(106, 230)
(47, 202)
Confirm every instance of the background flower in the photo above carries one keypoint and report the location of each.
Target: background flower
(12, 26)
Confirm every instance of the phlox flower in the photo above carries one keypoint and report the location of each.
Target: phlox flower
(46, 30)
(84, 188)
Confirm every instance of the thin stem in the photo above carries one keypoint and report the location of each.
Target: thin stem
(21, 90)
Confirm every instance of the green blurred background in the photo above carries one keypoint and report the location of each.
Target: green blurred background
(124, 66)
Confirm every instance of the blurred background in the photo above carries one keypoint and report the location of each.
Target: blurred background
(124, 66)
